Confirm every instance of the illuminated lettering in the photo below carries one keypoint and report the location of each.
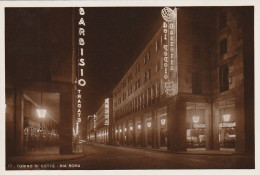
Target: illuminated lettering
(82, 82)
(81, 11)
(82, 31)
(81, 42)
(81, 62)
(82, 22)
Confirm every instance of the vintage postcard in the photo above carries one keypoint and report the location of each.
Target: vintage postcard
(132, 87)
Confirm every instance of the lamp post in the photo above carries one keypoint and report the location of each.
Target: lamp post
(41, 114)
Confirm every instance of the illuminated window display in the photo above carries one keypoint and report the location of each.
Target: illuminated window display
(196, 131)
(227, 125)
(139, 134)
(149, 132)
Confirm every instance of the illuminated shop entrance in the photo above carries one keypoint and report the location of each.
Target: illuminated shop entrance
(196, 136)
(139, 133)
(149, 132)
(131, 134)
(162, 128)
(41, 117)
(227, 125)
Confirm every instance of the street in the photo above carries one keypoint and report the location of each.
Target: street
(103, 157)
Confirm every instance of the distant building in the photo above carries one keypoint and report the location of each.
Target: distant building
(212, 105)
(100, 124)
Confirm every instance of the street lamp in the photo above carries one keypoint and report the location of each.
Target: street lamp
(40, 111)
(163, 121)
(149, 124)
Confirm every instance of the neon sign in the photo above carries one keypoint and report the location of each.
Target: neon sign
(106, 111)
(170, 50)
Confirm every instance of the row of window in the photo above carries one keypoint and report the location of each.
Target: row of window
(152, 94)
(146, 58)
(141, 101)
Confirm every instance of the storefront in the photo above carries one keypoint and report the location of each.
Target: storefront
(227, 125)
(196, 131)
(139, 136)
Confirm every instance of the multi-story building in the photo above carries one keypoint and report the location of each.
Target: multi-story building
(212, 104)
(98, 126)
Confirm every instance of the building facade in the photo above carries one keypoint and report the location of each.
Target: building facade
(99, 124)
(39, 79)
(212, 108)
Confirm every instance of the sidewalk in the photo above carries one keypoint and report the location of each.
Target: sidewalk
(50, 154)
(189, 152)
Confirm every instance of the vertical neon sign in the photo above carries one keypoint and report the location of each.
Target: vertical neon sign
(170, 50)
(106, 111)
(81, 82)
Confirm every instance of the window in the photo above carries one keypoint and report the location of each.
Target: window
(148, 74)
(224, 78)
(196, 83)
(144, 59)
(223, 46)
(158, 66)
(222, 20)
(145, 77)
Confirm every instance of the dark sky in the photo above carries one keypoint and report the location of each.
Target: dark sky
(114, 36)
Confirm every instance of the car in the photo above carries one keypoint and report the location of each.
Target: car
(82, 141)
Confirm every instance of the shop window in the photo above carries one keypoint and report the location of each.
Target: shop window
(223, 47)
(224, 78)
(163, 130)
(227, 127)
(196, 83)
(196, 131)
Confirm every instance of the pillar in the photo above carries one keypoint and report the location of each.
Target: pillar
(154, 129)
(240, 124)
(209, 125)
(134, 132)
(157, 132)
(143, 131)
(127, 133)
(65, 126)
(176, 126)
(18, 122)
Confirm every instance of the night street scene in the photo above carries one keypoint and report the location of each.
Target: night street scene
(129, 88)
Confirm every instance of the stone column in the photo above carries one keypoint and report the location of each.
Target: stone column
(134, 132)
(19, 122)
(240, 124)
(143, 131)
(176, 126)
(215, 127)
(127, 132)
(65, 123)
(209, 131)
(157, 133)
(154, 129)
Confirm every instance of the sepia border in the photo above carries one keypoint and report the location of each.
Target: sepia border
(123, 3)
